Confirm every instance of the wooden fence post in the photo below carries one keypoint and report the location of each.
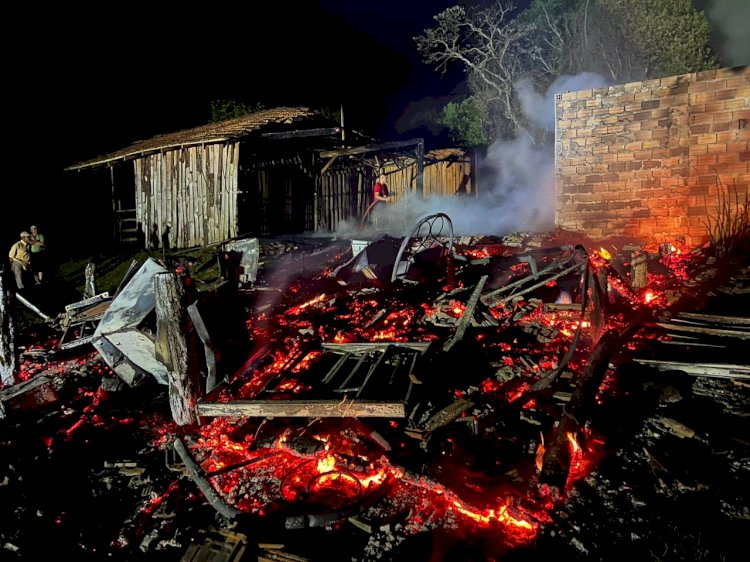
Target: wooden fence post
(7, 339)
(176, 347)
(90, 287)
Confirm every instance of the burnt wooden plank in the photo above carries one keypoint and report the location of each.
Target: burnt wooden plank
(700, 330)
(373, 346)
(467, 315)
(721, 370)
(303, 409)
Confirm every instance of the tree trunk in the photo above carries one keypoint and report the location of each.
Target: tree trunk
(176, 347)
(7, 340)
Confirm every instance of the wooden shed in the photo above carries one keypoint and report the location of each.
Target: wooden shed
(275, 171)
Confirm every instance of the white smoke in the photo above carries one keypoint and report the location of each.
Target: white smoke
(516, 181)
(540, 108)
(732, 19)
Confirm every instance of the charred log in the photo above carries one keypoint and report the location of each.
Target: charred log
(176, 347)
(556, 462)
(7, 329)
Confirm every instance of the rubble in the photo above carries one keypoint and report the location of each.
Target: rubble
(478, 395)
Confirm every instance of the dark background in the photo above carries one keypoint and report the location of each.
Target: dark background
(83, 84)
(83, 81)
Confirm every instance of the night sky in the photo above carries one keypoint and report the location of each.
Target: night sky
(84, 84)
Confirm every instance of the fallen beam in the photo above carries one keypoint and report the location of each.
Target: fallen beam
(720, 370)
(715, 319)
(701, 330)
(363, 347)
(467, 315)
(493, 299)
(303, 409)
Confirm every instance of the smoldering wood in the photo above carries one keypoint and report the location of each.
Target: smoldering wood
(447, 415)
(8, 359)
(720, 370)
(467, 315)
(556, 461)
(303, 409)
(555, 307)
(336, 367)
(599, 299)
(174, 348)
(374, 346)
(493, 299)
(721, 332)
(639, 271)
(205, 487)
(490, 297)
(9, 395)
(372, 369)
(715, 318)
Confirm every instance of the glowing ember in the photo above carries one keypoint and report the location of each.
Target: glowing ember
(605, 254)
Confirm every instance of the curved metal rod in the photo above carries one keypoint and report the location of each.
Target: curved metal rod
(429, 220)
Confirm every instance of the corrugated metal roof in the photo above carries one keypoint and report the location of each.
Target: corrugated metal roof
(228, 130)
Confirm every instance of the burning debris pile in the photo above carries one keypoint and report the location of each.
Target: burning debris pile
(428, 397)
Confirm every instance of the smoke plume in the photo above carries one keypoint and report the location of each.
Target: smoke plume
(731, 18)
(516, 180)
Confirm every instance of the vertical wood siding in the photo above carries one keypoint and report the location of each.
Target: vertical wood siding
(194, 189)
(346, 193)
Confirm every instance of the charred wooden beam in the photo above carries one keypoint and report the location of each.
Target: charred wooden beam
(467, 315)
(373, 346)
(491, 296)
(494, 298)
(372, 369)
(370, 148)
(715, 319)
(303, 409)
(303, 133)
(176, 347)
(7, 330)
(720, 370)
(744, 335)
(639, 271)
(556, 461)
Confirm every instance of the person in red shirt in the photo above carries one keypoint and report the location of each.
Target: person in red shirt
(380, 190)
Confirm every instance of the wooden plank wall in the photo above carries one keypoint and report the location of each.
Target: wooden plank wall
(343, 197)
(194, 189)
(346, 193)
(440, 178)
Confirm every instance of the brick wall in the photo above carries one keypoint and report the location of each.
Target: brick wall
(650, 160)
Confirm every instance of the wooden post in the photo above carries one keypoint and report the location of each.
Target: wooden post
(7, 328)
(90, 287)
(176, 347)
(420, 168)
(639, 272)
